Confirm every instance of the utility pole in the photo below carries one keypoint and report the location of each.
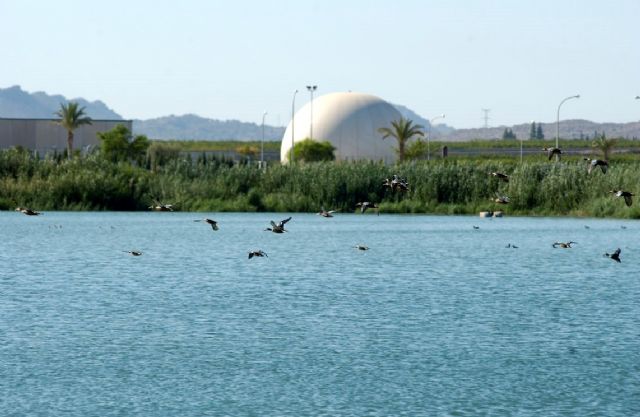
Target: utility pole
(486, 117)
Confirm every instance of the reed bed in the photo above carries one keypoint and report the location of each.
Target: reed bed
(457, 186)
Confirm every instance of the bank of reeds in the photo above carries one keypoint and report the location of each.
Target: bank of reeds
(443, 186)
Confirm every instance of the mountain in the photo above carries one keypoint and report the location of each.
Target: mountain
(438, 130)
(193, 127)
(17, 103)
(573, 129)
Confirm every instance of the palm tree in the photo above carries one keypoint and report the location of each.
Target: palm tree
(403, 130)
(71, 117)
(604, 145)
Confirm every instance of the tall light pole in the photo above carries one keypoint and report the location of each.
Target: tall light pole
(311, 89)
(262, 141)
(293, 125)
(558, 116)
(429, 135)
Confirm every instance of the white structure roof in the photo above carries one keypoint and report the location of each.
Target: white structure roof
(350, 121)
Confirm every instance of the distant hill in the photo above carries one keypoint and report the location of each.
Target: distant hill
(438, 130)
(17, 103)
(570, 129)
(193, 127)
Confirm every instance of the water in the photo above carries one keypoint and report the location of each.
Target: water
(436, 319)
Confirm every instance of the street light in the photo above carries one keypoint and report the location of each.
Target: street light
(262, 141)
(429, 135)
(311, 89)
(558, 116)
(293, 124)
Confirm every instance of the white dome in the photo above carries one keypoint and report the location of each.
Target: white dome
(350, 121)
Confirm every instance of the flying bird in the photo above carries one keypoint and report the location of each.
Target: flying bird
(625, 194)
(500, 176)
(279, 227)
(553, 151)
(133, 252)
(325, 213)
(563, 245)
(161, 207)
(501, 199)
(615, 255)
(213, 223)
(366, 205)
(597, 163)
(361, 247)
(257, 253)
(28, 211)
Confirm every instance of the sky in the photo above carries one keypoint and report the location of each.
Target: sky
(237, 59)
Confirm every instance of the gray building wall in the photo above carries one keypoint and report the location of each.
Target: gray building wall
(44, 135)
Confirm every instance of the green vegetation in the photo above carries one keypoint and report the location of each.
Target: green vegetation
(119, 145)
(309, 150)
(218, 146)
(508, 134)
(402, 130)
(71, 117)
(604, 145)
(446, 186)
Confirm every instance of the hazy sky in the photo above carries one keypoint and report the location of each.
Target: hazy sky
(236, 59)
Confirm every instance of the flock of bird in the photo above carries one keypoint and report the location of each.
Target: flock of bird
(591, 165)
(398, 184)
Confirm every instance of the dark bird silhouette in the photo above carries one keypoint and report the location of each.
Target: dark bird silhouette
(509, 245)
(476, 227)
(586, 227)
(325, 213)
(615, 255)
(367, 205)
(501, 199)
(278, 228)
(257, 253)
(28, 211)
(396, 183)
(597, 163)
(161, 207)
(553, 151)
(563, 245)
(625, 194)
(361, 247)
(213, 223)
(500, 176)
(133, 252)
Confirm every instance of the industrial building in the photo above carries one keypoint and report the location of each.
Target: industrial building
(350, 121)
(45, 135)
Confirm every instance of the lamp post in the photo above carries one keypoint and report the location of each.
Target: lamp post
(293, 124)
(311, 89)
(429, 135)
(262, 141)
(558, 116)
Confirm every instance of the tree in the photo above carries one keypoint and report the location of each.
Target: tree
(508, 134)
(402, 130)
(416, 150)
(604, 145)
(539, 132)
(310, 150)
(71, 117)
(119, 145)
(533, 131)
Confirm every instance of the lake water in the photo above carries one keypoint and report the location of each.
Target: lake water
(436, 319)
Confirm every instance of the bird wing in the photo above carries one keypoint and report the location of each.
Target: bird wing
(250, 255)
(214, 225)
(627, 200)
(604, 167)
(283, 222)
(617, 252)
(590, 167)
(273, 224)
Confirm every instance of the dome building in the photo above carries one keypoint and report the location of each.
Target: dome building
(350, 121)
